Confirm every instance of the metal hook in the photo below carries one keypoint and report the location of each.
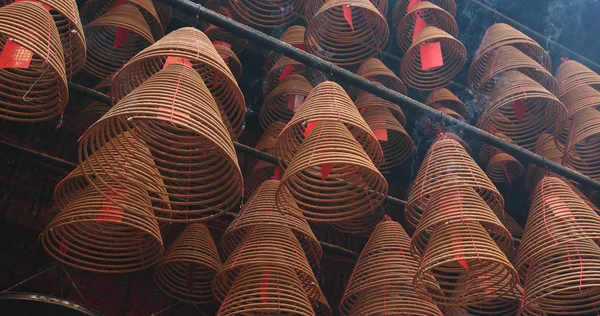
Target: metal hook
(36, 81)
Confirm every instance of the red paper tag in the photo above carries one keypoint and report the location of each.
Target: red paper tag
(362, 110)
(559, 208)
(116, 4)
(109, 210)
(412, 3)
(264, 285)
(309, 128)
(295, 101)
(300, 46)
(277, 173)
(455, 241)
(348, 15)
(120, 37)
(326, 170)
(286, 72)
(15, 56)
(420, 24)
(45, 6)
(381, 134)
(174, 60)
(519, 109)
(492, 129)
(227, 12)
(431, 55)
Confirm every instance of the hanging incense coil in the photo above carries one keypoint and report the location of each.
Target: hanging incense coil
(571, 75)
(331, 37)
(106, 55)
(327, 102)
(500, 167)
(546, 148)
(540, 111)
(575, 100)
(313, 6)
(351, 188)
(465, 260)
(230, 59)
(283, 68)
(444, 98)
(507, 58)
(260, 210)
(453, 53)
(284, 100)
(366, 99)
(96, 235)
(375, 70)
(260, 171)
(423, 14)
(402, 7)
(174, 114)
(39, 92)
(93, 111)
(187, 269)
(556, 216)
(265, 14)
(386, 263)
(433, 128)
(511, 224)
(294, 35)
(361, 226)
(581, 148)
(165, 13)
(194, 46)
(395, 142)
(447, 164)
(456, 138)
(217, 34)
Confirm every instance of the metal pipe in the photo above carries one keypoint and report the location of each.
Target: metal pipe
(339, 73)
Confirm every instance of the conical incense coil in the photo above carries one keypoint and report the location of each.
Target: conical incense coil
(403, 6)
(266, 290)
(284, 100)
(191, 44)
(511, 224)
(499, 35)
(327, 102)
(331, 178)
(294, 35)
(563, 280)
(386, 262)
(331, 36)
(458, 204)
(165, 13)
(175, 115)
(230, 59)
(456, 138)
(313, 6)
(265, 14)
(432, 128)
(444, 98)
(217, 34)
(115, 38)
(582, 145)
(95, 234)
(423, 14)
(464, 260)
(521, 109)
(187, 269)
(366, 100)
(500, 167)
(93, 111)
(94, 9)
(557, 216)
(576, 100)
(571, 75)
(395, 142)
(415, 69)
(39, 91)
(375, 70)
(546, 148)
(361, 226)
(217, 7)
(260, 171)
(260, 210)
(284, 67)
(507, 305)
(447, 164)
(507, 58)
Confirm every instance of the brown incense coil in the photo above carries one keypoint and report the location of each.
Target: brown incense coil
(265, 14)
(507, 58)
(294, 35)
(465, 261)
(447, 164)
(431, 15)
(556, 216)
(563, 280)
(511, 224)
(266, 290)
(444, 98)
(576, 100)
(93, 111)
(287, 65)
(456, 138)
(401, 8)
(361, 226)
(215, 33)
(397, 145)
(582, 147)
(284, 100)
(103, 58)
(330, 36)
(327, 102)
(353, 188)
(457, 312)
(571, 75)
(260, 171)
(165, 13)
(386, 263)
(366, 100)
(375, 70)
(187, 269)
(96, 235)
(230, 59)
(39, 92)
(175, 115)
(193, 45)
(546, 148)
(432, 128)
(508, 304)
(542, 111)
(313, 6)
(500, 167)
(453, 52)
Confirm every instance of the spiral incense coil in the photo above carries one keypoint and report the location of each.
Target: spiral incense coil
(93, 111)
(500, 167)
(284, 100)
(511, 224)
(453, 52)
(351, 188)
(375, 70)
(431, 15)
(215, 33)
(546, 148)
(193, 45)
(397, 145)
(508, 304)
(465, 261)
(582, 145)
(260, 171)
(331, 37)
(366, 99)
(294, 35)
(164, 12)
(507, 58)
(541, 111)
(378, 268)
(96, 235)
(287, 65)
(571, 75)
(39, 92)
(447, 164)
(313, 6)
(230, 59)
(104, 33)
(433, 128)
(327, 102)
(444, 98)
(174, 114)
(563, 280)
(265, 14)
(260, 210)
(361, 226)
(576, 100)
(456, 138)
(556, 216)
(458, 204)
(401, 8)
(186, 270)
